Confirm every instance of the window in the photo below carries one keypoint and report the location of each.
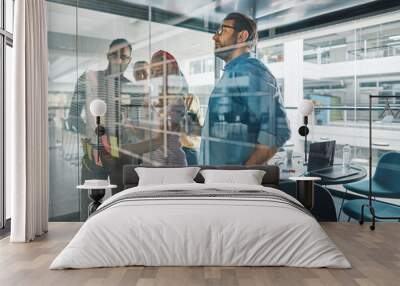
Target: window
(341, 70)
(195, 67)
(328, 49)
(273, 54)
(6, 42)
(202, 66)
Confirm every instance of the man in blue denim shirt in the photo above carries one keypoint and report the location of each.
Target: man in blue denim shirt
(246, 122)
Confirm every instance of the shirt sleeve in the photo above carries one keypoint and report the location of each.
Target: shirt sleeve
(267, 116)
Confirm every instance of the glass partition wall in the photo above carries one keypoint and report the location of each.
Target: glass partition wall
(343, 69)
(155, 68)
(155, 72)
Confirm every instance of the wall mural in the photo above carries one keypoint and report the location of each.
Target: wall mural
(184, 86)
(155, 120)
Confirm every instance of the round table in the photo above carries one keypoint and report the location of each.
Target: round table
(305, 190)
(361, 174)
(96, 194)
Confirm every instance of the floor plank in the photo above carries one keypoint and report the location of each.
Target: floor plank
(374, 255)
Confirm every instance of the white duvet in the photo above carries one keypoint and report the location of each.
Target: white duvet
(200, 231)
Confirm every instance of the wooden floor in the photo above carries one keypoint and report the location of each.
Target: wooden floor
(375, 257)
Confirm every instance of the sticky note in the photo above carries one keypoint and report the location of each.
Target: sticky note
(114, 146)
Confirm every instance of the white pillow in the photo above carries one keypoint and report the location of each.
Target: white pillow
(164, 176)
(248, 177)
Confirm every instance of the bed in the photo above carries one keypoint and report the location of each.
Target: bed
(197, 224)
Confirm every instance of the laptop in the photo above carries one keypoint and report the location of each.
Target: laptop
(320, 162)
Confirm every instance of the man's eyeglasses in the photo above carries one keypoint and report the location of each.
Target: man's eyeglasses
(221, 29)
(116, 55)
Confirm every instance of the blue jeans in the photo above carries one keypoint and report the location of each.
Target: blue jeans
(191, 156)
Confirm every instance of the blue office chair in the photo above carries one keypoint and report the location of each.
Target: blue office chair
(385, 184)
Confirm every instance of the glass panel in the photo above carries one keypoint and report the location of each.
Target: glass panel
(237, 108)
(112, 66)
(273, 57)
(329, 82)
(378, 41)
(173, 99)
(332, 48)
(169, 99)
(377, 74)
(9, 13)
(63, 139)
(273, 54)
(182, 72)
(340, 84)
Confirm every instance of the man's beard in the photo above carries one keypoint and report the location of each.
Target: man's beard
(224, 52)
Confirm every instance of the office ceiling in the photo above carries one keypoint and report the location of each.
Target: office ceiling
(269, 13)
(91, 27)
(205, 15)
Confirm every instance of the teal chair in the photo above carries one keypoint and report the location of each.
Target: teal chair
(352, 209)
(385, 184)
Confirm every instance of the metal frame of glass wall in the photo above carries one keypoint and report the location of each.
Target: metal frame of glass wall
(6, 39)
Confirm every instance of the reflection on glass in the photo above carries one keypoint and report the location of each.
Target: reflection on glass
(343, 70)
(273, 54)
(328, 49)
(201, 66)
(329, 94)
(378, 41)
(246, 122)
(180, 95)
(64, 169)
(177, 111)
(367, 43)
(109, 85)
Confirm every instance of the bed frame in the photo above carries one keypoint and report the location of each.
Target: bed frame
(324, 207)
(270, 179)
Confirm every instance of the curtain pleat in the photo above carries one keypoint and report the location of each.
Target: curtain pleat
(29, 157)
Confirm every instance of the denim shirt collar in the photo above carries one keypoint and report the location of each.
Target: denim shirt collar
(236, 61)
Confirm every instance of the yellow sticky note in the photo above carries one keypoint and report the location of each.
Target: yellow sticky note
(89, 151)
(114, 146)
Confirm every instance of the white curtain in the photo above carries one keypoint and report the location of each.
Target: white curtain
(26, 123)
